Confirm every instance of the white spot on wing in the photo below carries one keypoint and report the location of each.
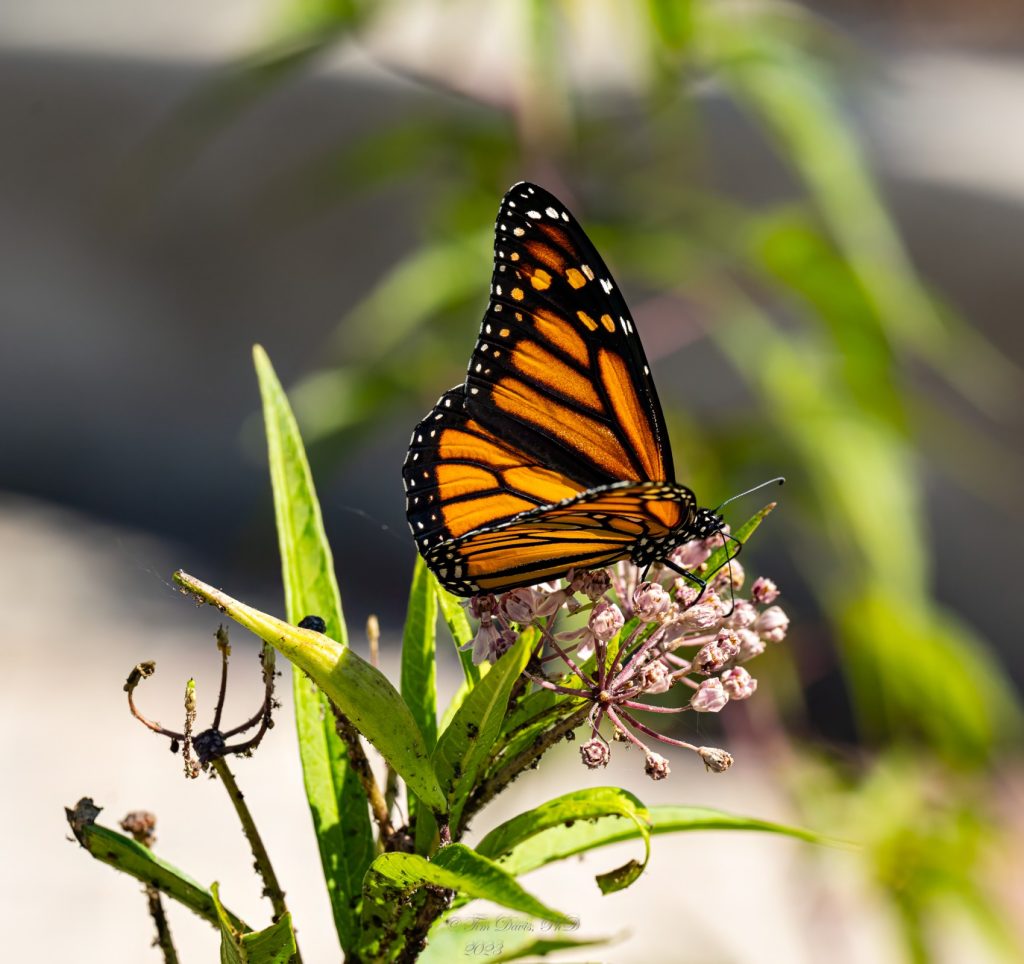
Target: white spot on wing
(607, 285)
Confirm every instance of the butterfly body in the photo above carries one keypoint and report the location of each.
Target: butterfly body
(553, 454)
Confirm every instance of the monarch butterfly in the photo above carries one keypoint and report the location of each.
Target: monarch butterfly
(553, 454)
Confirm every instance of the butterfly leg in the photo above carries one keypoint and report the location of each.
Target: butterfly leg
(692, 576)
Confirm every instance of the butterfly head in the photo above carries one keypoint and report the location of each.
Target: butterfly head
(706, 523)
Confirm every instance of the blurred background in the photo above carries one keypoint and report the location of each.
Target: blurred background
(816, 213)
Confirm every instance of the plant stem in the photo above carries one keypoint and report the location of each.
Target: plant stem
(271, 887)
(358, 761)
(163, 931)
(436, 901)
(496, 782)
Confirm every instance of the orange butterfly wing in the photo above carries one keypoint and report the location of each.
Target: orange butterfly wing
(554, 453)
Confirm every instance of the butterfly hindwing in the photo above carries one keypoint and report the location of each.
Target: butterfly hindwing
(589, 531)
(559, 367)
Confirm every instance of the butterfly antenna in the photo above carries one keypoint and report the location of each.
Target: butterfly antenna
(728, 561)
(779, 480)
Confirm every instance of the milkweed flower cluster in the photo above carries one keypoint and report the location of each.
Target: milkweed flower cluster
(641, 639)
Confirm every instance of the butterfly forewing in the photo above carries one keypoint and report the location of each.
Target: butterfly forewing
(460, 477)
(559, 367)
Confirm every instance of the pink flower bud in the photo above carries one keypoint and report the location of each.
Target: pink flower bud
(716, 760)
(548, 601)
(519, 605)
(772, 624)
(743, 615)
(593, 585)
(703, 615)
(721, 580)
(764, 591)
(650, 600)
(690, 554)
(605, 621)
(738, 683)
(595, 753)
(483, 606)
(711, 696)
(718, 653)
(491, 641)
(656, 767)
(656, 678)
(751, 644)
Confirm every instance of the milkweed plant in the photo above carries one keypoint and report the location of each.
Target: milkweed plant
(584, 658)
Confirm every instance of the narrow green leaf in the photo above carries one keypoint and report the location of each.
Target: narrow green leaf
(336, 798)
(272, 945)
(465, 745)
(673, 21)
(455, 867)
(132, 858)
(419, 681)
(565, 811)
(419, 657)
(718, 558)
(362, 692)
(462, 635)
(564, 841)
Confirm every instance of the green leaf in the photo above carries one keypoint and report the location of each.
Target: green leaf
(565, 841)
(581, 805)
(419, 657)
(419, 680)
(454, 938)
(455, 867)
(272, 945)
(718, 558)
(462, 635)
(336, 798)
(362, 692)
(466, 743)
(132, 858)
(673, 22)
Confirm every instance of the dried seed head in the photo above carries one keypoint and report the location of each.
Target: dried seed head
(595, 753)
(656, 766)
(716, 760)
(141, 824)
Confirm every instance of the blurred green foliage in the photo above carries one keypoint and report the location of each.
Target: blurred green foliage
(814, 302)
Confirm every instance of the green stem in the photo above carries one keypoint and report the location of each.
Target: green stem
(163, 931)
(501, 778)
(271, 888)
(359, 762)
